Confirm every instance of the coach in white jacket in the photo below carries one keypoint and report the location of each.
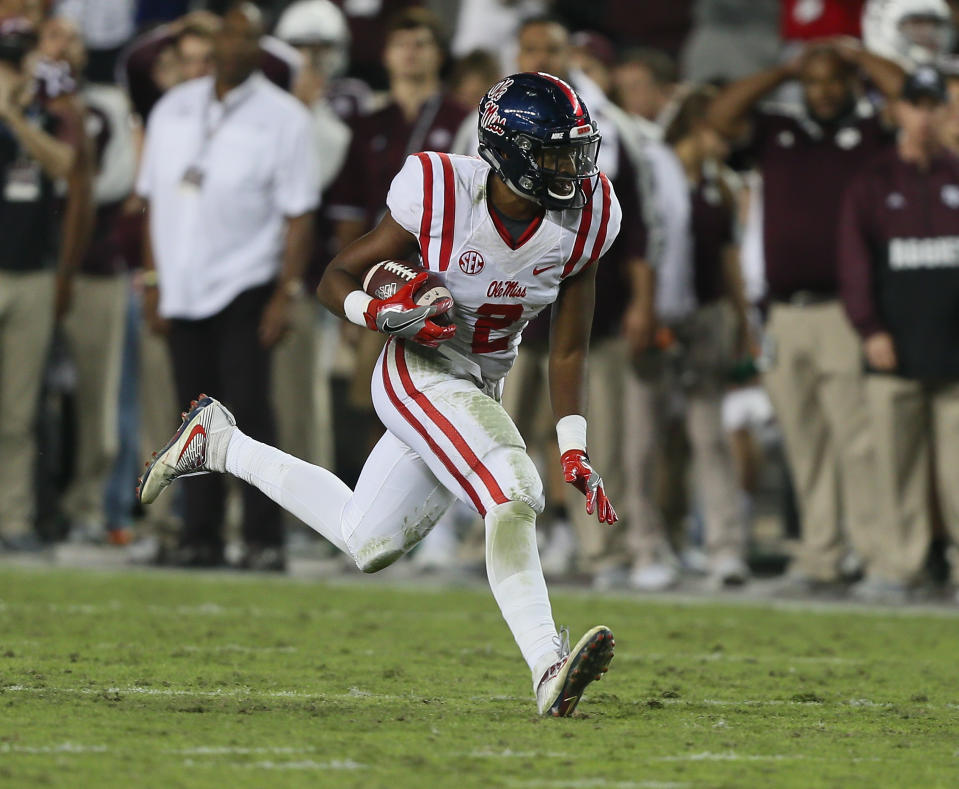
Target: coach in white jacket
(230, 174)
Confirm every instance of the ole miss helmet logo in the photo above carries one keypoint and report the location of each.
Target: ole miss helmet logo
(490, 119)
(471, 262)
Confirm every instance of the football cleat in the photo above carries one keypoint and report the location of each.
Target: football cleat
(562, 684)
(197, 447)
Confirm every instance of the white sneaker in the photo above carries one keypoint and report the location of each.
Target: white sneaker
(557, 558)
(655, 577)
(197, 447)
(562, 684)
(879, 591)
(729, 571)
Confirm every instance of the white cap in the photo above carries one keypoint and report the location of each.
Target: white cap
(313, 22)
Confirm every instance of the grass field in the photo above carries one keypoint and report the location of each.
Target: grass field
(210, 680)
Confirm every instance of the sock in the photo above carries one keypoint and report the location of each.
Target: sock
(311, 493)
(516, 578)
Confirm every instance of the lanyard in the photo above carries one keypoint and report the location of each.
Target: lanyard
(210, 129)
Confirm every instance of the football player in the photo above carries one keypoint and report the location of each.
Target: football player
(510, 233)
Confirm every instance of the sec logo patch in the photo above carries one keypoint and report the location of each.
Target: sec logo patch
(471, 262)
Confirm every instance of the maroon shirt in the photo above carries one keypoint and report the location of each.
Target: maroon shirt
(899, 261)
(613, 288)
(711, 224)
(381, 142)
(805, 168)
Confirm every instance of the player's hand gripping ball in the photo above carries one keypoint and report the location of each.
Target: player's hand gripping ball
(409, 302)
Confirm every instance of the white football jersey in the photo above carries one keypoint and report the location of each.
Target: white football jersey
(498, 285)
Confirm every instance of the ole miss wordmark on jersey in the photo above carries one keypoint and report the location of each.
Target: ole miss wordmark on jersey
(498, 285)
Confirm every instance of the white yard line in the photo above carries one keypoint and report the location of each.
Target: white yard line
(232, 693)
(63, 747)
(303, 764)
(720, 657)
(508, 753)
(597, 783)
(729, 756)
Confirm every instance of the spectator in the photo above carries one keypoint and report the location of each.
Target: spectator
(277, 61)
(644, 82)
(814, 375)
(370, 26)
(106, 26)
(193, 44)
(229, 171)
(594, 55)
(472, 74)
(731, 39)
(910, 32)
(40, 141)
(318, 30)
(492, 26)
(418, 115)
(95, 324)
(899, 266)
(686, 289)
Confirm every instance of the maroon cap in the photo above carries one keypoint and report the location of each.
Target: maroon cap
(597, 45)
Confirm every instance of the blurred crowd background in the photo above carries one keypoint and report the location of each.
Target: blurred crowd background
(749, 410)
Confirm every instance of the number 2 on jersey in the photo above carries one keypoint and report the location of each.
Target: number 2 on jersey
(494, 317)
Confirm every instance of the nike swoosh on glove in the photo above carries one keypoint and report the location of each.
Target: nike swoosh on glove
(579, 473)
(400, 316)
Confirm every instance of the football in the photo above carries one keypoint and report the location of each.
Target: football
(383, 279)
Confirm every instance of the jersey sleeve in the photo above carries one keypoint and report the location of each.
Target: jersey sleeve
(407, 193)
(599, 225)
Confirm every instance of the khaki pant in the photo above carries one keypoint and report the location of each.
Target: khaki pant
(697, 376)
(816, 385)
(295, 383)
(158, 421)
(301, 392)
(26, 324)
(916, 428)
(94, 328)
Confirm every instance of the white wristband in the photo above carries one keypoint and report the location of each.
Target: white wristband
(355, 306)
(571, 433)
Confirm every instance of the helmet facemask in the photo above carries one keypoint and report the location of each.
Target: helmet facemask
(553, 174)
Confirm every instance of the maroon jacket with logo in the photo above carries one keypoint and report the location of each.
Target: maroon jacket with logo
(805, 167)
(899, 261)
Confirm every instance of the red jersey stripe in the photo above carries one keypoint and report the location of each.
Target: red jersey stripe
(427, 218)
(448, 430)
(603, 222)
(449, 212)
(583, 231)
(436, 449)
